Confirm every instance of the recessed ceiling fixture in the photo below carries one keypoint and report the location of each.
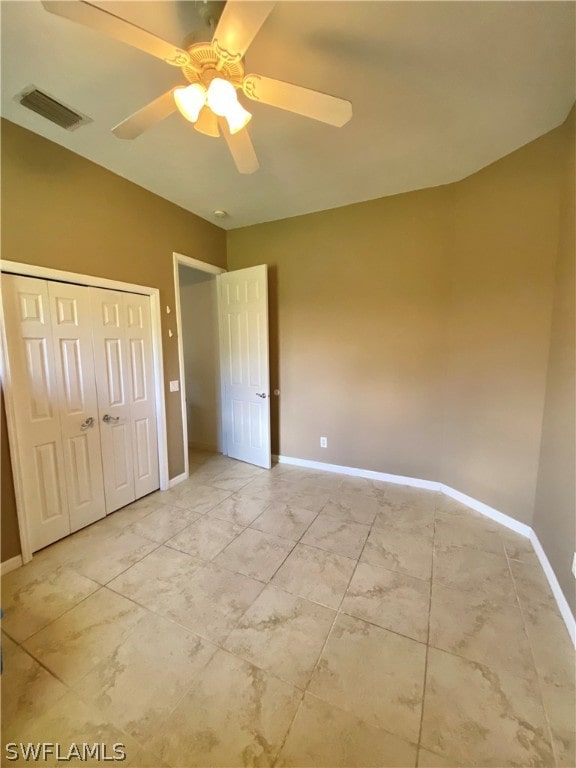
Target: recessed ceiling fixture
(215, 72)
(220, 214)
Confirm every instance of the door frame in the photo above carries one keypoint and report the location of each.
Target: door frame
(202, 266)
(47, 273)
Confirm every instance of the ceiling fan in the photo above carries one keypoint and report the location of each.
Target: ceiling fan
(215, 72)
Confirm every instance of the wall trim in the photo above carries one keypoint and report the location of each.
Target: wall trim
(478, 506)
(178, 479)
(559, 596)
(484, 509)
(11, 565)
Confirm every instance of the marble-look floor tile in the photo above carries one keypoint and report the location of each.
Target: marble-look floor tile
(427, 759)
(390, 599)
(519, 547)
(255, 554)
(73, 644)
(238, 510)
(235, 478)
(108, 556)
(274, 626)
(163, 523)
(71, 721)
(551, 646)
(481, 628)
(333, 535)
(207, 600)
(235, 715)
(205, 538)
(284, 520)
(560, 707)
(474, 570)
(467, 531)
(198, 498)
(148, 503)
(532, 586)
(418, 520)
(157, 578)
(481, 717)
(315, 574)
(374, 674)
(27, 688)
(147, 675)
(33, 596)
(324, 736)
(393, 549)
(350, 507)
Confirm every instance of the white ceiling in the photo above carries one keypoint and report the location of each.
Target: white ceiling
(439, 90)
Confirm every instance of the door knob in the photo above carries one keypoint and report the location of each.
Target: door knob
(261, 394)
(107, 418)
(87, 424)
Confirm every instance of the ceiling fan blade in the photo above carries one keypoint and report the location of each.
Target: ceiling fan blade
(294, 98)
(241, 148)
(103, 21)
(238, 26)
(146, 117)
(207, 122)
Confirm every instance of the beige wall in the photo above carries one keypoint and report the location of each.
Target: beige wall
(555, 515)
(355, 300)
(198, 303)
(413, 330)
(62, 211)
(501, 257)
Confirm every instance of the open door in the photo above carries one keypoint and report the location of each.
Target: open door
(243, 314)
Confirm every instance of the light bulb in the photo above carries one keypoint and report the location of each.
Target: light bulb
(190, 100)
(223, 101)
(221, 96)
(237, 117)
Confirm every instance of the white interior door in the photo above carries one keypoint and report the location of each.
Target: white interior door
(243, 310)
(77, 401)
(34, 394)
(141, 393)
(112, 382)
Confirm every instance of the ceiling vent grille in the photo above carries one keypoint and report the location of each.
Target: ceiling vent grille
(51, 109)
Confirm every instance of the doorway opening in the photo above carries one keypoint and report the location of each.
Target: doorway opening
(199, 352)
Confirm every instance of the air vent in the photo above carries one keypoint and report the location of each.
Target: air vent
(52, 110)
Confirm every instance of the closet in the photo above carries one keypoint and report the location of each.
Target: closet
(83, 398)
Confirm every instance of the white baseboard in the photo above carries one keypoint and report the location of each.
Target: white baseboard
(177, 480)
(484, 509)
(478, 506)
(10, 565)
(559, 596)
(369, 474)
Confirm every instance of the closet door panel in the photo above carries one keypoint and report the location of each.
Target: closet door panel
(141, 393)
(112, 382)
(77, 400)
(34, 394)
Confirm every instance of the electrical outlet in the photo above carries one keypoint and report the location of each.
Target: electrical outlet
(174, 386)
(323, 442)
(574, 565)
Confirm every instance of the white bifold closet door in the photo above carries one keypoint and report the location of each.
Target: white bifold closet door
(126, 404)
(49, 339)
(82, 394)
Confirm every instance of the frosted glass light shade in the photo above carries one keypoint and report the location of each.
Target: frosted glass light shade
(237, 117)
(221, 96)
(190, 100)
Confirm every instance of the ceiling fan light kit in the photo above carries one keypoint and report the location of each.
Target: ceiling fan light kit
(215, 72)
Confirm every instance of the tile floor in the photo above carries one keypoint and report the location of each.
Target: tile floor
(290, 618)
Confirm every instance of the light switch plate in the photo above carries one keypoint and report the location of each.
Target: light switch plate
(174, 386)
